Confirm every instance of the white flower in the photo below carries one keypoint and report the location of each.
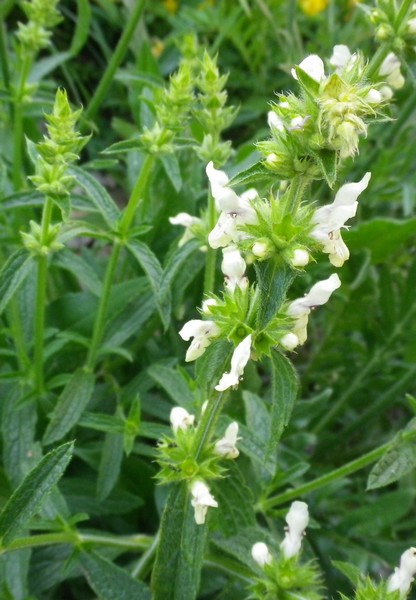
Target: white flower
(297, 520)
(202, 499)
(226, 446)
(403, 575)
(187, 221)
(341, 56)
(235, 210)
(274, 121)
(298, 123)
(390, 70)
(300, 309)
(239, 360)
(202, 332)
(261, 554)
(374, 97)
(330, 218)
(206, 305)
(289, 341)
(300, 258)
(233, 266)
(180, 419)
(313, 66)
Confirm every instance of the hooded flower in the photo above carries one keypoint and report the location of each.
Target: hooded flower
(233, 266)
(202, 499)
(202, 332)
(235, 210)
(180, 419)
(300, 309)
(187, 221)
(404, 574)
(329, 219)
(297, 520)
(238, 362)
(313, 66)
(261, 554)
(226, 446)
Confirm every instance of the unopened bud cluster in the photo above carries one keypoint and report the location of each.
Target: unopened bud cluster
(42, 16)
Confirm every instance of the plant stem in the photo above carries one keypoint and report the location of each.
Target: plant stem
(320, 482)
(17, 175)
(133, 542)
(404, 9)
(126, 221)
(144, 565)
(211, 255)
(42, 279)
(116, 60)
(337, 406)
(295, 193)
(209, 418)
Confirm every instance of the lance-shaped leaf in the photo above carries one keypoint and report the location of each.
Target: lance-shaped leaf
(13, 274)
(70, 406)
(285, 387)
(180, 553)
(274, 280)
(98, 195)
(32, 492)
(398, 460)
(109, 581)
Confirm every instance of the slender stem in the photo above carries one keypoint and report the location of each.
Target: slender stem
(320, 482)
(377, 60)
(17, 174)
(42, 279)
(3, 57)
(134, 542)
(295, 192)
(125, 223)
(144, 565)
(337, 406)
(405, 7)
(211, 254)
(116, 60)
(102, 307)
(210, 416)
(137, 194)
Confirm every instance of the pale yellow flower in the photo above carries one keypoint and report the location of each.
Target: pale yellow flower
(313, 7)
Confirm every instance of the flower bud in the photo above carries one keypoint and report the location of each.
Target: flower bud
(261, 554)
(300, 258)
(261, 249)
(289, 341)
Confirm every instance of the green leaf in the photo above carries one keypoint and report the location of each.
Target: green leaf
(327, 160)
(274, 280)
(33, 491)
(175, 263)
(171, 166)
(82, 27)
(395, 462)
(309, 85)
(254, 174)
(110, 464)
(177, 569)
(70, 406)
(383, 237)
(13, 274)
(353, 573)
(98, 195)
(285, 388)
(151, 266)
(109, 581)
(212, 365)
(75, 264)
(124, 146)
(44, 66)
(173, 383)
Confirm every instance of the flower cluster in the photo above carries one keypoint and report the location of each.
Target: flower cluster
(42, 17)
(176, 458)
(284, 575)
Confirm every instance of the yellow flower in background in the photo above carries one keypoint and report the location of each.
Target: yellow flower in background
(171, 6)
(313, 7)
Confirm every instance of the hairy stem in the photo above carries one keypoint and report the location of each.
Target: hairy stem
(211, 254)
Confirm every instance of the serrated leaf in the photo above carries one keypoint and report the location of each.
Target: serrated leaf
(70, 406)
(328, 161)
(395, 462)
(110, 464)
(13, 274)
(253, 174)
(274, 280)
(31, 493)
(171, 166)
(109, 581)
(212, 365)
(98, 195)
(124, 146)
(285, 388)
(151, 266)
(176, 573)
